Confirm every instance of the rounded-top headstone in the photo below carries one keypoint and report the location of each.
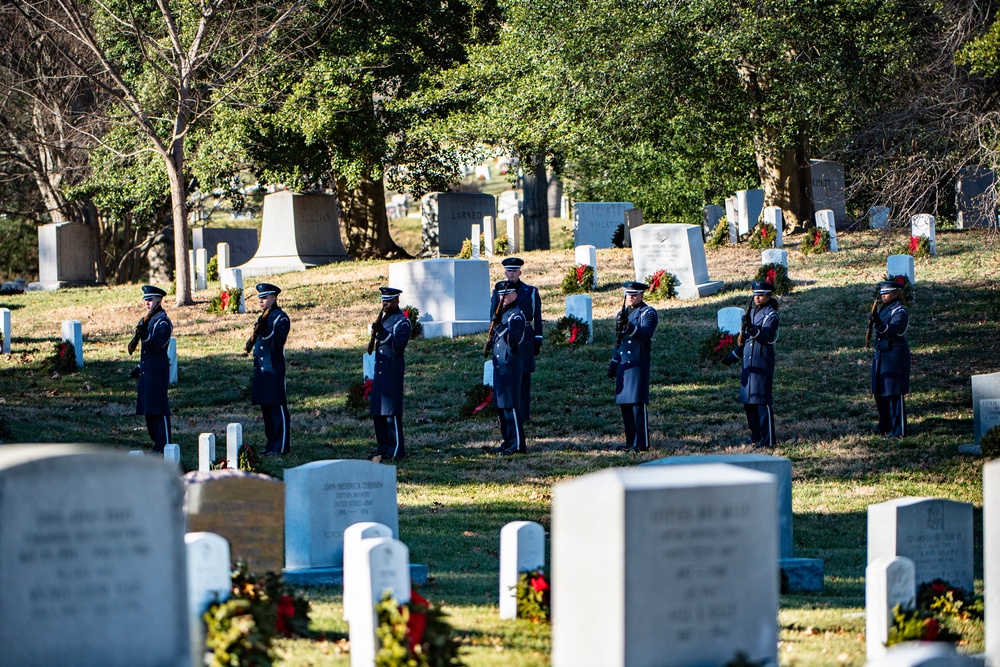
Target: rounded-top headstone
(774, 256)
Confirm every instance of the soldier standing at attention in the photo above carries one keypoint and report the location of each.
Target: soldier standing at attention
(530, 304)
(504, 343)
(755, 347)
(153, 372)
(390, 334)
(630, 365)
(268, 345)
(891, 362)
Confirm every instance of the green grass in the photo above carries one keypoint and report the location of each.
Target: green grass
(454, 499)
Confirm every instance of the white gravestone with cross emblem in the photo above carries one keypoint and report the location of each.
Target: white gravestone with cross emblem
(773, 256)
(923, 225)
(825, 220)
(383, 567)
(586, 255)
(730, 319)
(888, 582)
(774, 217)
(522, 549)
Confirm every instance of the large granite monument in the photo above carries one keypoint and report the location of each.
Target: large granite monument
(445, 218)
(452, 295)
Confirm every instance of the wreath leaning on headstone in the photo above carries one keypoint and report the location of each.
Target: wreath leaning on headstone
(719, 236)
(63, 358)
(763, 236)
(904, 282)
(815, 242)
(918, 246)
(534, 595)
(569, 330)
(477, 398)
(578, 279)
(416, 328)
(226, 302)
(777, 275)
(662, 285)
(716, 346)
(416, 634)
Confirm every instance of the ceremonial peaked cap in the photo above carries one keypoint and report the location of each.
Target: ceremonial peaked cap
(267, 289)
(761, 287)
(511, 263)
(389, 293)
(149, 291)
(886, 286)
(634, 287)
(504, 286)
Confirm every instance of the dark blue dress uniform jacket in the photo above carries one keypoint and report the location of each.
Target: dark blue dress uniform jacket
(507, 338)
(269, 360)
(154, 367)
(891, 363)
(530, 304)
(757, 376)
(633, 356)
(387, 385)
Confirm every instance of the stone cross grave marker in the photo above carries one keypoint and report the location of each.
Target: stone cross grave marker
(522, 549)
(489, 233)
(384, 567)
(209, 580)
(825, 220)
(5, 330)
(587, 255)
(733, 219)
(878, 217)
(474, 241)
(206, 451)
(773, 256)
(92, 559)
(513, 234)
(900, 265)
(749, 205)
(730, 319)
(234, 440)
(172, 453)
(677, 249)
(248, 509)
(452, 295)
(774, 216)
(172, 356)
(710, 216)
(201, 268)
(72, 332)
(985, 387)
(594, 223)
(888, 582)
(233, 279)
(354, 536)
(922, 224)
(581, 306)
(936, 534)
(707, 534)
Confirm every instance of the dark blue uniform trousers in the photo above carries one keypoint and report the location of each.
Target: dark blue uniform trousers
(159, 431)
(636, 425)
(389, 436)
(512, 429)
(277, 428)
(760, 419)
(891, 415)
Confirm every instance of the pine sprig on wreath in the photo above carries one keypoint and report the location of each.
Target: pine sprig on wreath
(777, 275)
(416, 634)
(416, 328)
(478, 399)
(815, 242)
(662, 285)
(717, 346)
(569, 330)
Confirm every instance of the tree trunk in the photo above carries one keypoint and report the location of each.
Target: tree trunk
(178, 208)
(362, 212)
(536, 203)
(782, 179)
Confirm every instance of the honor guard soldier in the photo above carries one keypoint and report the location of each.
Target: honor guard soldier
(153, 372)
(630, 365)
(390, 334)
(507, 330)
(267, 342)
(530, 304)
(755, 347)
(891, 361)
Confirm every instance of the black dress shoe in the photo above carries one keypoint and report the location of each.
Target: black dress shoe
(510, 451)
(622, 448)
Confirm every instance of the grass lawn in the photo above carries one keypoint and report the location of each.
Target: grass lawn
(454, 499)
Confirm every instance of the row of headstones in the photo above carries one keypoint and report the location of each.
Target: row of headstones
(488, 231)
(206, 449)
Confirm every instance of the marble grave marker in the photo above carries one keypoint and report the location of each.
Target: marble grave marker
(678, 249)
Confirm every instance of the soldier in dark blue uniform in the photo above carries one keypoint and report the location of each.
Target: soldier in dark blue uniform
(506, 334)
(530, 304)
(891, 363)
(391, 333)
(268, 345)
(630, 365)
(153, 372)
(756, 349)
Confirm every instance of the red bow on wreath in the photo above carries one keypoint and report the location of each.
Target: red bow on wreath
(286, 610)
(724, 342)
(486, 401)
(225, 299)
(366, 390)
(406, 313)
(771, 275)
(574, 331)
(580, 270)
(417, 624)
(655, 282)
(900, 279)
(914, 243)
(816, 239)
(763, 231)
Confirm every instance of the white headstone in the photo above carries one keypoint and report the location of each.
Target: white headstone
(989, 414)
(488, 373)
(773, 216)
(924, 654)
(587, 255)
(172, 452)
(222, 252)
(368, 366)
(707, 535)
(730, 319)
(353, 537)
(581, 306)
(193, 267)
(92, 559)
(72, 332)
(201, 268)
(234, 440)
(985, 387)
(474, 238)
(137, 452)
(733, 219)
(749, 205)
(773, 256)
(825, 220)
(452, 295)
(489, 232)
(677, 249)
(5, 330)
(513, 234)
(900, 265)
(206, 451)
(888, 582)
(936, 534)
(522, 548)
(233, 279)
(172, 356)
(923, 225)
(991, 559)
(384, 566)
(209, 580)
(878, 217)
(594, 223)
